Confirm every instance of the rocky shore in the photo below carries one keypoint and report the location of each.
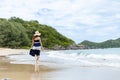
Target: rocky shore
(72, 47)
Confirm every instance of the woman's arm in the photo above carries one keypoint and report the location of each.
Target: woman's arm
(32, 43)
(41, 44)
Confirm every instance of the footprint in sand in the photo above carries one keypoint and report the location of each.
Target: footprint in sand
(5, 79)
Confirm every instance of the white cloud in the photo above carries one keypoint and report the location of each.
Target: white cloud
(102, 31)
(76, 19)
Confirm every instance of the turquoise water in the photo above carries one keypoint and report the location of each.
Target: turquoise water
(89, 57)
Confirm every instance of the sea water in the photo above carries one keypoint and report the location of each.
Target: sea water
(87, 57)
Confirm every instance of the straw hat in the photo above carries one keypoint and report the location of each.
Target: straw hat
(37, 33)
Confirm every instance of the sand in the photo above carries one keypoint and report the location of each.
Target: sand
(8, 51)
(20, 71)
(10, 71)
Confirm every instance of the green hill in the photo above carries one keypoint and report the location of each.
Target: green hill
(106, 44)
(17, 33)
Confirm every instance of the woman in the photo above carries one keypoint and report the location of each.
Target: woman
(36, 46)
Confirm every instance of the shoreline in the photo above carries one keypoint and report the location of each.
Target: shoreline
(50, 71)
(10, 71)
(17, 71)
(9, 51)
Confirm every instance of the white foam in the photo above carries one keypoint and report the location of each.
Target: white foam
(96, 57)
(101, 59)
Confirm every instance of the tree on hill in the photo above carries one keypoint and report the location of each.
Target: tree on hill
(16, 32)
(12, 34)
(106, 44)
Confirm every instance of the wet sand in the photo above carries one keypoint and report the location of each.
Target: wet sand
(9, 71)
(22, 71)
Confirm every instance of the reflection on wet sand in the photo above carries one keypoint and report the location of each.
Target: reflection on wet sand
(36, 74)
(36, 67)
(22, 71)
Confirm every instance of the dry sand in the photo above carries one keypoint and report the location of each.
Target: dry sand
(8, 51)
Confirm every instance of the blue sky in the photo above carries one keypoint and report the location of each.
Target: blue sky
(93, 20)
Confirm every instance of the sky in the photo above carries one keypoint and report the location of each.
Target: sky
(79, 20)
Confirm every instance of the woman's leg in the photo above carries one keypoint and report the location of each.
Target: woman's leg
(36, 63)
(36, 59)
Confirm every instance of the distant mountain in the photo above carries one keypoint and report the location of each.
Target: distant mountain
(18, 33)
(106, 44)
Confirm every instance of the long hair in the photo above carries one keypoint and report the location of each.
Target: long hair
(34, 37)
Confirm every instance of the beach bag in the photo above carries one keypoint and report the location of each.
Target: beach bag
(31, 52)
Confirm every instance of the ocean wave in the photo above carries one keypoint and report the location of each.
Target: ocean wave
(88, 58)
(92, 57)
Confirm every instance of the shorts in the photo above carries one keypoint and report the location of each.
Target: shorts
(34, 52)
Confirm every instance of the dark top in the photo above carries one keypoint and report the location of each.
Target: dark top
(37, 43)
